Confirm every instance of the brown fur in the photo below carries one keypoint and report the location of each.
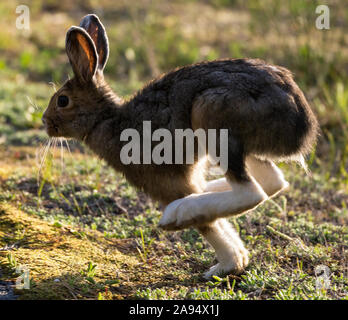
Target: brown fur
(261, 106)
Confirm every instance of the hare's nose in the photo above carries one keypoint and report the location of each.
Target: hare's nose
(44, 120)
(44, 117)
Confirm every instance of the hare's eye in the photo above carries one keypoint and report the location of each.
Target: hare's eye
(62, 101)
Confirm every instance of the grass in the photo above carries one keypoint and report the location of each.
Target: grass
(84, 233)
(94, 250)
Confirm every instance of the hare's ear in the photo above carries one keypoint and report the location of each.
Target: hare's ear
(82, 53)
(96, 30)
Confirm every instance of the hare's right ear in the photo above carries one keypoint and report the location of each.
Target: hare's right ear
(82, 54)
(96, 30)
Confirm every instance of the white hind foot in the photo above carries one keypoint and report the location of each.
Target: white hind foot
(230, 251)
(217, 270)
(202, 208)
(222, 270)
(181, 213)
(235, 266)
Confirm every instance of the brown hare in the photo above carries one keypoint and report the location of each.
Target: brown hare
(263, 110)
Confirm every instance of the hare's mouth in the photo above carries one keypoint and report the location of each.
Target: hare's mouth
(52, 129)
(52, 132)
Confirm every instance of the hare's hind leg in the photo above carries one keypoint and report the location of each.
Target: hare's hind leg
(230, 252)
(217, 185)
(267, 174)
(202, 208)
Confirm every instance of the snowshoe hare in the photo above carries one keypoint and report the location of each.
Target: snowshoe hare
(263, 110)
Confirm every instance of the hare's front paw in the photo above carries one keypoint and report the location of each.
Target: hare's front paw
(235, 265)
(181, 213)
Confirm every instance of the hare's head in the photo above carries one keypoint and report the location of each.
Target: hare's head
(75, 108)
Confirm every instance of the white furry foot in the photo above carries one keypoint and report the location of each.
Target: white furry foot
(174, 215)
(236, 265)
(203, 208)
(181, 213)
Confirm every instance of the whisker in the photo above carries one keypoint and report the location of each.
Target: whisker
(61, 153)
(67, 145)
(39, 151)
(53, 85)
(55, 140)
(33, 104)
(47, 147)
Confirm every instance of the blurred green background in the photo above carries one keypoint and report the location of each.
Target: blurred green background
(151, 37)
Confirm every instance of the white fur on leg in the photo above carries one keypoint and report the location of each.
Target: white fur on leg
(230, 251)
(267, 174)
(199, 209)
(217, 185)
(233, 236)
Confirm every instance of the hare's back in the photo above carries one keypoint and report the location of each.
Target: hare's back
(260, 104)
(239, 84)
(177, 91)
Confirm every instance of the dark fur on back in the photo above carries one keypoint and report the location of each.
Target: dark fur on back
(260, 104)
